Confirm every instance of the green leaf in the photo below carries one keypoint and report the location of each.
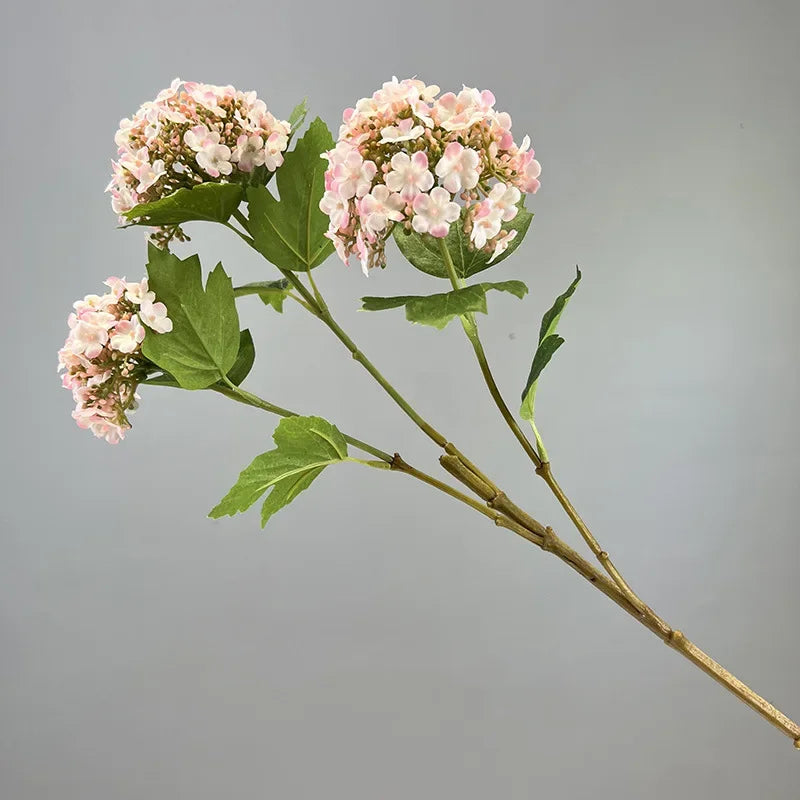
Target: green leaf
(439, 309)
(290, 232)
(236, 375)
(305, 446)
(423, 251)
(208, 202)
(245, 359)
(204, 342)
(272, 293)
(549, 342)
(298, 114)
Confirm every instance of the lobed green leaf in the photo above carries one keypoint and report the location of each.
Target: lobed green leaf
(304, 447)
(290, 232)
(204, 342)
(437, 310)
(423, 251)
(206, 202)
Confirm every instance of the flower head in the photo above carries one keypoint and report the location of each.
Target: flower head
(102, 359)
(405, 157)
(192, 133)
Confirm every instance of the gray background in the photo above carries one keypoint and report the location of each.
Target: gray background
(380, 641)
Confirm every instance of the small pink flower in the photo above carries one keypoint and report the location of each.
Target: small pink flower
(501, 244)
(154, 315)
(486, 223)
(136, 292)
(504, 199)
(215, 159)
(249, 152)
(434, 212)
(273, 151)
(404, 131)
(353, 175)
(380, 206)
(337, 208)
(199, 137)
(458, 168)
(409, 175)
(127, 335)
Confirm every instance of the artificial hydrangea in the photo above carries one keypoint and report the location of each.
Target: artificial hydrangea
(192, 133)
(102, 358)
(408, 156)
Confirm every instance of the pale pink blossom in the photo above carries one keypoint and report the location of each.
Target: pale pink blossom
(486, 223)
(277, 142)
(249, 152)
(434, 212)
(353, 175)
(458, 168)
(337, 208)
(501, 244)
(404, 131)
(504, 199)
(136, 292)
(459, 112)
(102, 359)
(192, 133)
(447, 158)
(409, 175)
(154, 315)
(128, 335)
(379, 207)
(215, 159)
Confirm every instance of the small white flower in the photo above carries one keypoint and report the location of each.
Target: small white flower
(458, 168)
(434, 212)
(337, 208)
(504, 199)
(127, 335)
(502, 243)
(404, 131)
(409, 175)
(249, 152)
(380, 206)
(215, 160)
(154, 315)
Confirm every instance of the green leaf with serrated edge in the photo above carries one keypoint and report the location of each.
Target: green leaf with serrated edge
(204, 342)
(437, 310)
(423, 251)
(304, 447)
(290, 232)
(298, 114)
(206, 202)
(549, 342)
(272, 293)
(236, 375)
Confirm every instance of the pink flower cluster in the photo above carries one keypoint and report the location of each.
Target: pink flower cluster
(405, 156)
(102, 356)
(193, 133)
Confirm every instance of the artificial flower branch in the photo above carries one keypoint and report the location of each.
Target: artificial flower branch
(441, 175)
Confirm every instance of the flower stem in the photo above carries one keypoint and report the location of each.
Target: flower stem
(602, 556)
(248, 398)
(470, 326)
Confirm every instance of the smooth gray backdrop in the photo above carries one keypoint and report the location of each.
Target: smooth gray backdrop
(378, 640)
